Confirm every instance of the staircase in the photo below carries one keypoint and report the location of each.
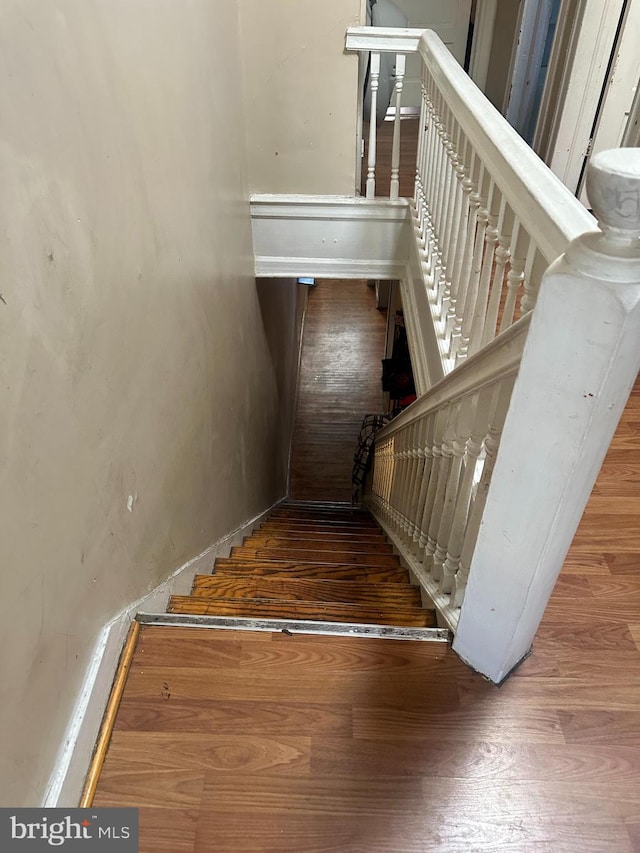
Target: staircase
(311, 561)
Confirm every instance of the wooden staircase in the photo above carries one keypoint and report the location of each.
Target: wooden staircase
(311, 561)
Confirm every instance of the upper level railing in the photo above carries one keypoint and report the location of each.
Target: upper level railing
(489, 214)
(481, 483)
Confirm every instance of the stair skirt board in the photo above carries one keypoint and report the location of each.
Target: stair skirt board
(297, 626)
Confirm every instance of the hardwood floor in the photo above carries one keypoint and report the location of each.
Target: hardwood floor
(340, 382)
(241, 741)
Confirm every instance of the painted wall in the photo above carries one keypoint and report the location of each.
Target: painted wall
(139, 418)
(282, 303)
(301, 95)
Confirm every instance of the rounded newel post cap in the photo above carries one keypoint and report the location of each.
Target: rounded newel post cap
(613, 187)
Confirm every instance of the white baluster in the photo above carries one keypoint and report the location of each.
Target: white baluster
(499, 405)
(446, 454)
(395, 150)
(485, 185)
(480, 409)
(520, 247)
(490, 242)
(503, 256)
(374, 71)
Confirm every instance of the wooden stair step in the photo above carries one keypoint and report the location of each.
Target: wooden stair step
(325, 515)
(354, 613)
(299, 554)
(323, 522)
(312, 544)
(279, 568)
(305, 589)
(320, 533)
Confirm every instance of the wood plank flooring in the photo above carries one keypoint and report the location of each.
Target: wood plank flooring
(242, 741)
(340, 382)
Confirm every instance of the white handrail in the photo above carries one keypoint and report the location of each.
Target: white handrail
(497, 360)
(526, 182)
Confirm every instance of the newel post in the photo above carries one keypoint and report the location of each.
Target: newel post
(580, 362)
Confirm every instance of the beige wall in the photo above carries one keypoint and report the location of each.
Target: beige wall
(301, 95)
(135, 361)
(282, 304)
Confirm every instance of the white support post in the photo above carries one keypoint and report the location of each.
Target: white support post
(580, 362)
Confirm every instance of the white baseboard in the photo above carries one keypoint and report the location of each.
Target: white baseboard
(74, 756)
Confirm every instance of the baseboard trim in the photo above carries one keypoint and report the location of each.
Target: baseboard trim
(67, 779)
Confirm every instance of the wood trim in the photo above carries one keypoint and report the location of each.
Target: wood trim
(329, 236)
(279, 267)
(383, 39)
(104, 737)
(482, 41)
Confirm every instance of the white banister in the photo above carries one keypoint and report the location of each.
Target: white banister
(579, 364)
(490, 214)
(433, 464)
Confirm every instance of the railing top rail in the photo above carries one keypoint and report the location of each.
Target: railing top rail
(496, 360)
(546, 208)
(383, 39)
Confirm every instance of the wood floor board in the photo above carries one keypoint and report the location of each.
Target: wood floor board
(173, 789)
(467, 724)
(238, 717)
(327, 687)
(220, 753)
(482, 761)
(624, 563)
(165, 830)
(332, 796)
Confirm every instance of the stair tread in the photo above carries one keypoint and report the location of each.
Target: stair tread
(322, 533)
(362, 614)
(234, 565)
(306, 589)
(314, 544)
(323, 529)
(345, 515)
(334, 556)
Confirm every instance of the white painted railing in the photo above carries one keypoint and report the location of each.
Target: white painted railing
(482, 482)
(433, 466)
(489, 215)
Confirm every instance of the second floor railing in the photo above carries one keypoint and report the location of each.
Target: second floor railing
(488, 213)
